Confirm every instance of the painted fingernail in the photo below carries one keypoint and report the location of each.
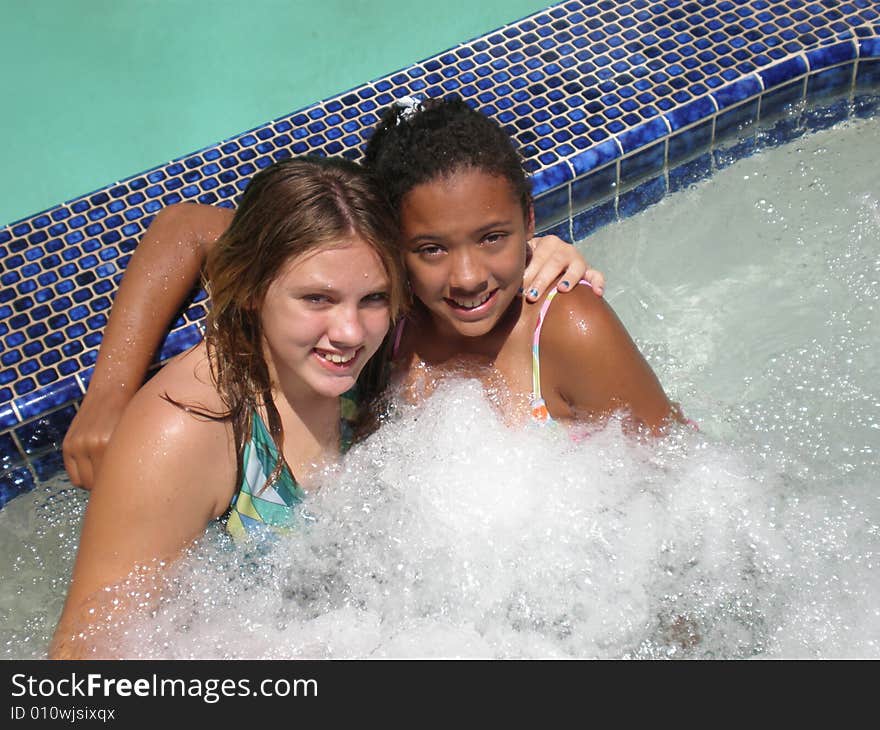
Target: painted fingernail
(533, 293)
(520, 290)
(564, 283)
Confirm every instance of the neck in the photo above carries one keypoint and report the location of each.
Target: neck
(307, 417)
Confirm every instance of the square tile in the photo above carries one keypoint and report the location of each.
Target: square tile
(584, 223)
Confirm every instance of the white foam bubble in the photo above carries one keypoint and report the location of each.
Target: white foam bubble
(450, 534)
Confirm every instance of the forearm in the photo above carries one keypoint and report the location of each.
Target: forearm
(163, 270)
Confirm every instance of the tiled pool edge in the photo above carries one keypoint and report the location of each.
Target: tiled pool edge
(616, 175)
(618, 178)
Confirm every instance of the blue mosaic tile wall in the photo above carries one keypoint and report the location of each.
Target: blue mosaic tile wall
(613, 103)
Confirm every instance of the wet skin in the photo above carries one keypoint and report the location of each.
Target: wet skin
(464, 240)
(324, 316)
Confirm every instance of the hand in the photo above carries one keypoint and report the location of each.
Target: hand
(553, 258)
(88, 436)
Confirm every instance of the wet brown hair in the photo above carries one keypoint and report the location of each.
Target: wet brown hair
(289, 209)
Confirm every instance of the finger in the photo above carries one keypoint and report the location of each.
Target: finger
(544, 268)
(539, 280)
(67, 455)
(87, 473)
(90, 469)
(70, 466)
(597, 280)
(570, 277)
(537, 260)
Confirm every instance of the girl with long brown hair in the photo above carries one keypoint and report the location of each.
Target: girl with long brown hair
(304, 285)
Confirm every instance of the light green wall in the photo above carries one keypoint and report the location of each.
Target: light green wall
(97, 90)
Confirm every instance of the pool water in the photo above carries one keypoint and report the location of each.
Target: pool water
(449, 534)
(762, 318)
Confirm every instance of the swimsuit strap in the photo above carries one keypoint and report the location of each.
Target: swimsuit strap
(398, 334)
(256, 504)
(538, 405)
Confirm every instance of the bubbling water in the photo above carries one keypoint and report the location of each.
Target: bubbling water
(450, 534)
(531, 545)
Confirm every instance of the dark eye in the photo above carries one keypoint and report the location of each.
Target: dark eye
(315, 298)
(429, 249)
(379, 298)
(494, 237)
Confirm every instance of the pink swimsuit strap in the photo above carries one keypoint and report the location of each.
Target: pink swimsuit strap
(538, 405)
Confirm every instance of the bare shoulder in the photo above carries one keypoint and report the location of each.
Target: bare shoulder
(185, 379)
(580, 318)
(166, 474)
(590, 366)
(180, 449)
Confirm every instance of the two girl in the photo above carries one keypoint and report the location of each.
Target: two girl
(298, 307)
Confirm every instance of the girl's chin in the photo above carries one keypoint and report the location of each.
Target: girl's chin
(478, 328)
(334, 388)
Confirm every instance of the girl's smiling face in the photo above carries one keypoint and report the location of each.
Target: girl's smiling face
(464, 242)
(324, 316)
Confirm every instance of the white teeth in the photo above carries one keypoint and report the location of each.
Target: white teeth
(338, 359)
(472, 303)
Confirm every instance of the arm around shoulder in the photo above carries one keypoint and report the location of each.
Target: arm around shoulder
(163, 269)
(592, 364)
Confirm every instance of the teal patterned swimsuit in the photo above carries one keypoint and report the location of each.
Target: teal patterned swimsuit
(254, 507)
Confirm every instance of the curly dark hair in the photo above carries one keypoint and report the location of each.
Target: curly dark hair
(441, 138)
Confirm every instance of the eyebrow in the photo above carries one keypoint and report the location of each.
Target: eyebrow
(325, 289)
(427, 237)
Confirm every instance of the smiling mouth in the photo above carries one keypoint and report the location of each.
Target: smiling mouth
(338, 359)
(470, 303)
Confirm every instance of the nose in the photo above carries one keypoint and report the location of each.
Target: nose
(466, 272)
(345, 328)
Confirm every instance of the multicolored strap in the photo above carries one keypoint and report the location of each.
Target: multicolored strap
(538, 406)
